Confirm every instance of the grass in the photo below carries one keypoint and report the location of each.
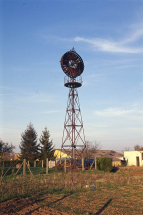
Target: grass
(114, 193)
(38, 170)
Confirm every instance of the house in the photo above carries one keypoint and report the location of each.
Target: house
(134, 158)
(15, 156)
(116, 156)
(60, 154)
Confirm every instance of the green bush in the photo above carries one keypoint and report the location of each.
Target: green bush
(105, 164)
(123, 163)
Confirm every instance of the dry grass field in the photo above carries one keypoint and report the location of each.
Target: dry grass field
(89, 192)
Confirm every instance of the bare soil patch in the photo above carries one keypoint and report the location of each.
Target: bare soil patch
(131, 170)
(26, 206)
(87, 193)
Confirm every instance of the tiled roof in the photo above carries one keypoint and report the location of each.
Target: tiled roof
(102, 153)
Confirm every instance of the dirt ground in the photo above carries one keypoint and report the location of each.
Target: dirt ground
(103, 201)
(126, 199)
(26, 206)
(131, 170)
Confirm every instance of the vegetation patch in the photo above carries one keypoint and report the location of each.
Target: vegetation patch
(105, 164)
(72, 193)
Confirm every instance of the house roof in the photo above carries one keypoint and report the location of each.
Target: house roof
(109, 153)
(101, 153)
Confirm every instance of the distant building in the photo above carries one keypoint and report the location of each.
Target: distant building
(134, 158)
(15, 156)
(116, 156)
(60, 154)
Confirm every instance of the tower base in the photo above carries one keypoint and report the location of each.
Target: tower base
(73, 142)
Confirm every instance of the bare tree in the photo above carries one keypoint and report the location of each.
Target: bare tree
(5, 150)
(127, 148)
(137, 147)
(91, 149)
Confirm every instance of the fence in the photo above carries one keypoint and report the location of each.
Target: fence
(67, 164)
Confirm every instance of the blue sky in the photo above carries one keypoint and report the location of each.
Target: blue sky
(108, 35)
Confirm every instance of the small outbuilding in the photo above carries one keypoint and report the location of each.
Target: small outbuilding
(60, 154)
(134, 158)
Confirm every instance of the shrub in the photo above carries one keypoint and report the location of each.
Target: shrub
(123, 163)
(105, 164)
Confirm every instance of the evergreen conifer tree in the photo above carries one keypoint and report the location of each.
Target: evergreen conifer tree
(28, 146)
(47, 148)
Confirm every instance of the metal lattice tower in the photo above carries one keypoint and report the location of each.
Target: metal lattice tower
(73, 133)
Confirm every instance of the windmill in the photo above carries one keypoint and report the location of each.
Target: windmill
(73, 133)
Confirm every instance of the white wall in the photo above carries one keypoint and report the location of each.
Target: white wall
(131, 157)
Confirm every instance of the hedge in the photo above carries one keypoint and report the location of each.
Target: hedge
(105, 164)
(8, 163)
(124, 163)
(12, 163)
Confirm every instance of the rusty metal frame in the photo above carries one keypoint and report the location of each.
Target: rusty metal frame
(73, 126)
(73, 66)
